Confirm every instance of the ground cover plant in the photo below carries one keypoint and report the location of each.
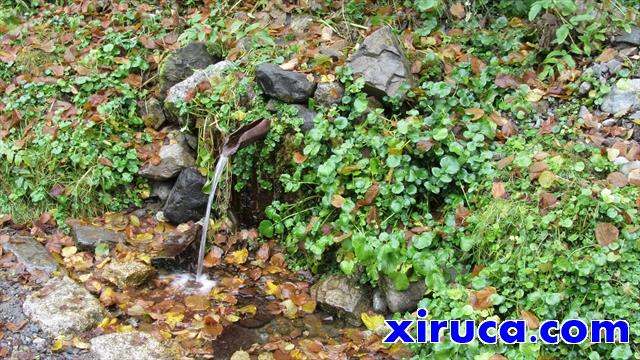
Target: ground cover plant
(491, 177)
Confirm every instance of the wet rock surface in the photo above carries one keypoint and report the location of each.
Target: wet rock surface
(31, 254)
(343, 296)
(63, 307)
(402, 300)
(132, 345)
(288, 86)
(186, 200)
(307, 117)
(23, 339)
(127, 274)
(632, 37)
(180, 64)
(87, 237)
(380, 60)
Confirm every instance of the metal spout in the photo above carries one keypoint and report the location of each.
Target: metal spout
(244, 136)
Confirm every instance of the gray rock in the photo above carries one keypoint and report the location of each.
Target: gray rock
(31, 254)
(288, 86)
(300, 24)
(584, 88)
(328, 94)
(380, 60)
(307, 117)
(174, 158)
(634, 116)
(402, 300)
(620, 160)
(127, 274)
(630, 166)
(330, 52)
(613, 66)
(180, 64)
(610, 122)
(379, 302)
(151, 113)
(624, 96)
(63, 307)
(632, 37)
(342, 296)
(134, 345)
(87, 237)
(161, 189)
(186, 200)
(178, 92)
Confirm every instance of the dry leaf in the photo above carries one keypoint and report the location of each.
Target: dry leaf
(457, 10)
(498, 191)
(606, 233)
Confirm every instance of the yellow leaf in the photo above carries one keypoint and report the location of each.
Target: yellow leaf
(124, 328)
(309, 307)
(146, 258)
(238, 257)
(165, 334)
(535, 95)
(79, 343)
(337, 201)
(272, 289)
(57, 345)
(290, 309)
(232, 317)
(172, 319)
(69, 250)
(134, 220)
(144, 237)
(248, 309)
(372, 322)
(197, 302)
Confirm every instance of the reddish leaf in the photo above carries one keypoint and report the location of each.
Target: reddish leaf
(606, 233)
(532, 321)
(457, 10)
(506, 81)
(498, 191)
(480, 299)
(547, 125)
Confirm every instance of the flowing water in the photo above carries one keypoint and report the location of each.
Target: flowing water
(222, 162)
(201, 283)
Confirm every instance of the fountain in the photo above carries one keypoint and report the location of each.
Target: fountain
(242, 137)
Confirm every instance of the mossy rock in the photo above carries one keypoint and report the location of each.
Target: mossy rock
(181, 64)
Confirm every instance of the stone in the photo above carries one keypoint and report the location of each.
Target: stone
(87, 237)
(334, 54)
(127, 274)
(174, 157)
(300, 24)
(634, 177)
(634, 116)
(63, 307)
(307, 117)
(284, 85)
(584, 88)
(31, 254)
(632, 37)
(610, 122)
(380, 60)
(379, 302)
(328, 94)
(630, 166)
(343, 296)
(186, 200)
(161, 189)
(179, 92)
(181, 63)
(134, 345)
(613, 66)
(178, 240)
(402, 300)
(152, 113)
(624, 97)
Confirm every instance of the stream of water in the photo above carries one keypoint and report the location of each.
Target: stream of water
(222, 162)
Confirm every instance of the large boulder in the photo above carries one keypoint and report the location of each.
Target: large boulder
(63, 307)
(402, 300)
(380, 60)
(343, 296)
(132, 345)
(180, 64)
(287, 86)
(186, 200)
(179, 92)
(31, 254)
(87, 237)
(624, 97)
(174, 157)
